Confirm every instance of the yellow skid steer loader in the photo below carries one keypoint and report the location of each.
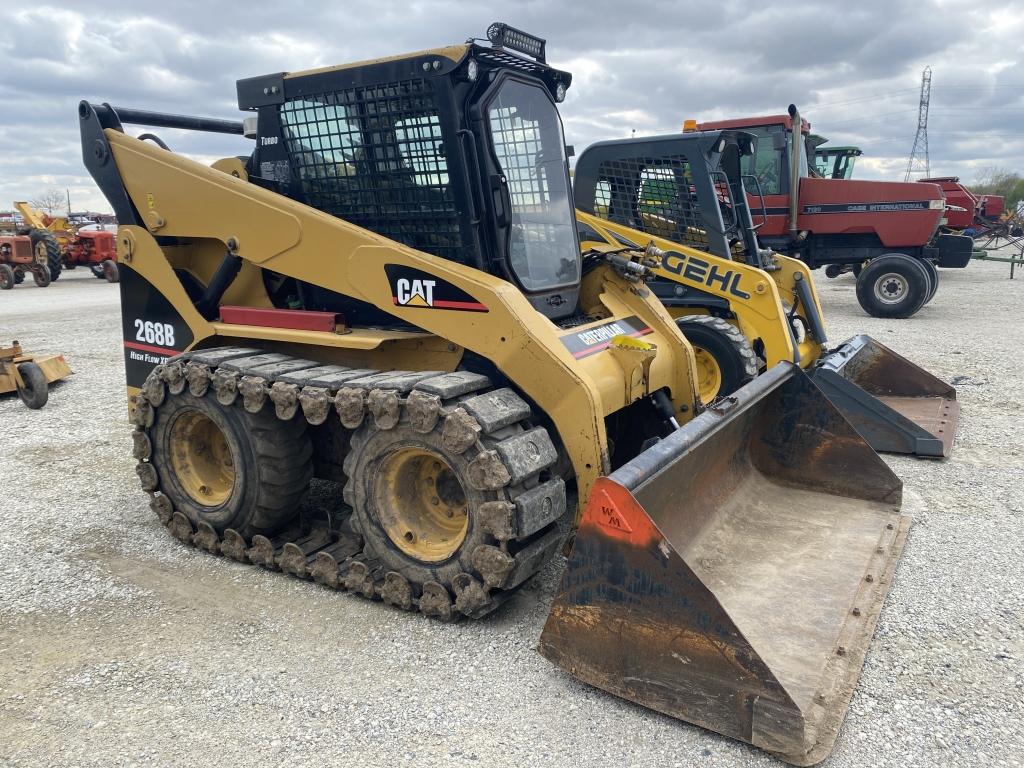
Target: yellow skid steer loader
(737, 303)
(386, 291)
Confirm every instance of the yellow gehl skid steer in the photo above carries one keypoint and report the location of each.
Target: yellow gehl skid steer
(737, 303)
(388, 292)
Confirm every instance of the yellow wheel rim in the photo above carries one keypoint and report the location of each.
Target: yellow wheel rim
(42, 257)
(709, 375)
(201, 459)
(420, 504)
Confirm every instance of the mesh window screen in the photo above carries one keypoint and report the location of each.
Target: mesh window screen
(374, 156)
(653, 195)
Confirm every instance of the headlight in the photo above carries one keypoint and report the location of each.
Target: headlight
(472, 70)
(560, 92)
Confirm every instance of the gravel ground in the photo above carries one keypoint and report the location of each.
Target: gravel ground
(119, 647)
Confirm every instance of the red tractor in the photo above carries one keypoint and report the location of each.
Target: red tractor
(94, 249)
(18, 257)
(884, 232)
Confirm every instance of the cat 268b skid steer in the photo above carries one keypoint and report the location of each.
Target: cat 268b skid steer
(387, 292)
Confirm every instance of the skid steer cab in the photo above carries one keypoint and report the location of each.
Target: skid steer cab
(745, 308)
(385, 290)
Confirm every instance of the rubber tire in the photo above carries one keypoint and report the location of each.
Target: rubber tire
(370, 446)
(36, 391)
(730, 349)
(910, 269)
(857, 268)
(833, 271)
(110, 271)
(54, 258)
(97, 271)
(7, 280)
(933, 277)
(41, 275)
(272, 460)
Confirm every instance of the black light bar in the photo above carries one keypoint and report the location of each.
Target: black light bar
(504, 36)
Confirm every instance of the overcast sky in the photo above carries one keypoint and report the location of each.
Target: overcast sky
(854, 69)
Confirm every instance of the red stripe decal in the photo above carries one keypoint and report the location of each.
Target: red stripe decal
(155, 350)
(468, 306)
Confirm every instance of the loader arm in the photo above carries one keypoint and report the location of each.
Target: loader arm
(33, 218)
(285, 236)
(757, 298)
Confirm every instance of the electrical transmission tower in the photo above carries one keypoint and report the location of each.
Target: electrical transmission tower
(918, 161)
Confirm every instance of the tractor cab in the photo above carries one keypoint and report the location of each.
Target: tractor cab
(457, 151)
(831, 162)
(840, 223)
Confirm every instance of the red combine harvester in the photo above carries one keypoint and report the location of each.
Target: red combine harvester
(884, 232)
(94, 249)
(961, 202)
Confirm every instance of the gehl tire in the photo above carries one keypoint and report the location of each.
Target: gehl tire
(893, 286)
(35, 391)
(437, 503)
(725, 359)
(47, 250)
(227, 467)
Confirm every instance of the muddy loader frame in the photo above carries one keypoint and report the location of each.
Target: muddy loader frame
(388, 292)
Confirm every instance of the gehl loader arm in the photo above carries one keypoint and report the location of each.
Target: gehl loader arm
(729, 562)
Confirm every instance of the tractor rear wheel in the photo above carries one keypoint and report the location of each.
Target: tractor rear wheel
(933, 277)
(7, 280)
(893, 286)
(227, 467)
(47, 251)
(725, 359)
(35, 391)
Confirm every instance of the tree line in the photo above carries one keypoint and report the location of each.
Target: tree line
(999, 181)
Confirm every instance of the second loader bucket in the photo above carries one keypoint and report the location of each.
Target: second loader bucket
(897, 406)
(732, 574)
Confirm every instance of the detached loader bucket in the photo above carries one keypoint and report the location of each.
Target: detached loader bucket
(732, 574)
(897, 406)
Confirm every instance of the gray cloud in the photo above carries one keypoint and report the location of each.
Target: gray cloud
(644, 66)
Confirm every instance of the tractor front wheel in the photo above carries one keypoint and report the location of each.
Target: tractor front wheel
(41, 274)
(7, 279)
(47, 251)
(110, 271)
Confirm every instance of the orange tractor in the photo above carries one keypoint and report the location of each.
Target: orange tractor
(95, 249)
(18, 257)
(55, 239)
